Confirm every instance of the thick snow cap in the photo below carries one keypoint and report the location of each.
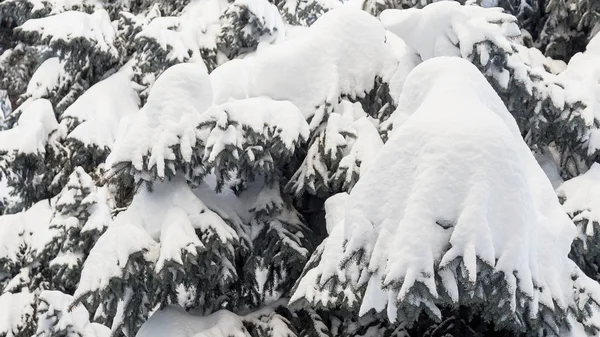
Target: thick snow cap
(169, 118)
(447, 208)
(340, 54)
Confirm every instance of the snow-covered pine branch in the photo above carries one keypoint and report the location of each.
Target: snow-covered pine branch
(490, 228)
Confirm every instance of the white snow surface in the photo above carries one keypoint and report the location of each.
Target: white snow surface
(582, 194)
(149, 211)
(335, 207)
(173, 321)
(35, 127)
(77, 321)
(95, 27)
(46, 78)
(446, 28)
(14, 308)
(169, 215)
(341, 53)
(110, 254)
(100, 109)
(478, 178)
(583, 76)
(168, 118)
(27, 229)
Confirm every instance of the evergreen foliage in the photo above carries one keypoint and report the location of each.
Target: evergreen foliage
(299, 168)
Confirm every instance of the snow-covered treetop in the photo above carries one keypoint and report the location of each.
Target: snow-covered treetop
(461, 207)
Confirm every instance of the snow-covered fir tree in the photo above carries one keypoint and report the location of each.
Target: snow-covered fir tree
(299, 168)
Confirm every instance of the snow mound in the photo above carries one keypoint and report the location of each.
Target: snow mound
(340, 54)
(462, 206)
(36, 126)
(98, 111)
(95, 27)
(175, 322)
(55, 317)
(169, 118)
(46, 78)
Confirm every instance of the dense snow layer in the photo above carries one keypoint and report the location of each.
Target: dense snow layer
(15, 309)
(341, 53)
(36, 126)
(46, 78)
(56, 317)
(169, 118)
(473, 192)
(100, 109)
(95, 27)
